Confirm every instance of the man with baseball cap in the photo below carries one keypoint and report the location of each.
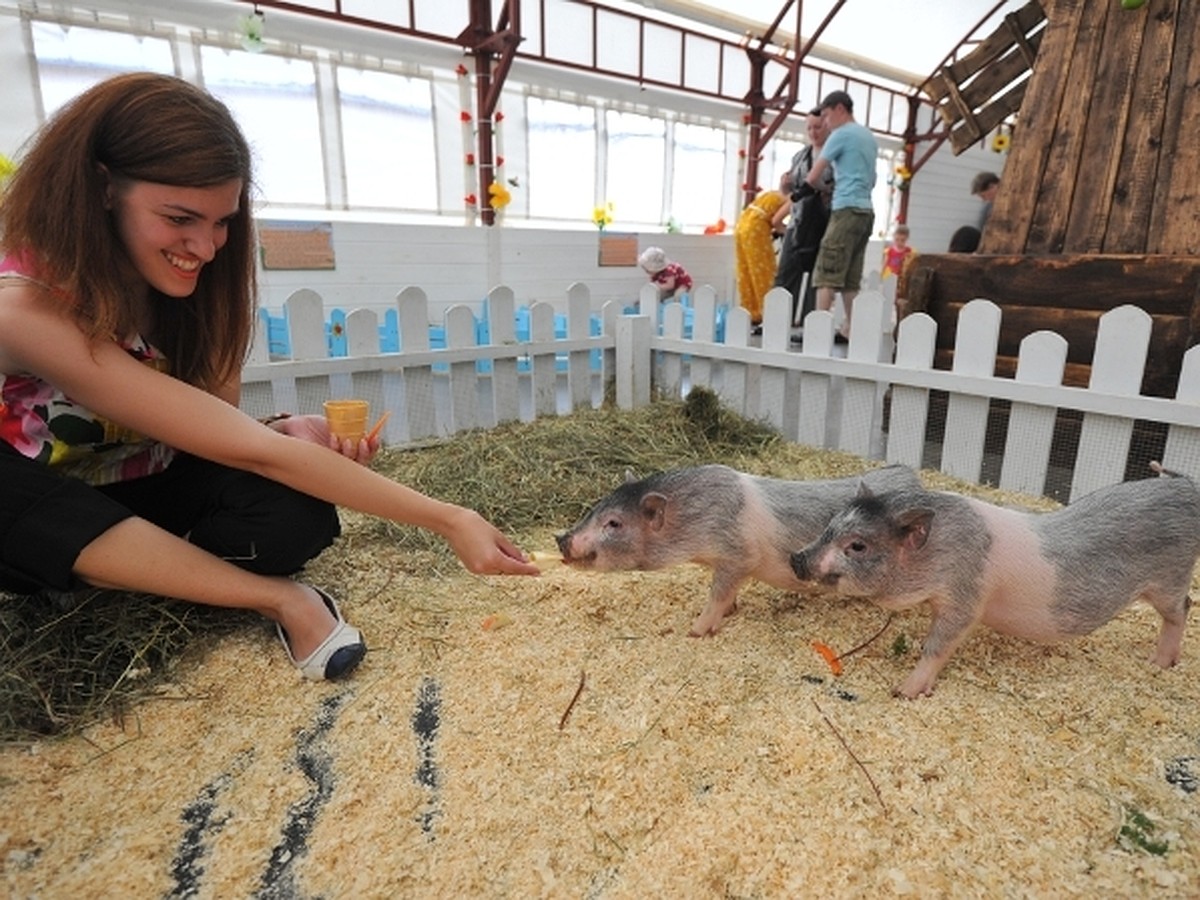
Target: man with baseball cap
(852, 151)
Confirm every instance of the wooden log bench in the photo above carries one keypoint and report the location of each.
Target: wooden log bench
(1066, 294)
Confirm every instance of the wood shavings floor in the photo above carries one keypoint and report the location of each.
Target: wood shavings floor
(730, 767)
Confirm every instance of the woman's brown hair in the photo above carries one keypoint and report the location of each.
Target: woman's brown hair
(139, 127)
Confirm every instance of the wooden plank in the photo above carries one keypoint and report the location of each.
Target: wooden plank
(1161, 285)
(861, 412)
(260, 348)
(998, 76)
(966, 416)
(633, 344)
(1056, 193)
(609, 313)
(775, 385)
(816, 388)
(1107, 114)
(956, 111)
(1170, 338)
(734, 381)
(1144, 145)
(413, 308)
(1030, 432)
(989, 117)
(999, 42)
(1009, 222)
(1182, 450)
(669, 374)
(464, 398)
(917, 335)
(500, 307)
(704, 328)
(306, 325)
(579, 363)
(1175, 219)
(1121, 349)
(544, 364)
(362, 339)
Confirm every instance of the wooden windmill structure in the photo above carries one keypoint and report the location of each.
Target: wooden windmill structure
(1099, 203)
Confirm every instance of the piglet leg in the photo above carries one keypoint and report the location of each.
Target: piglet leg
(950, 626)
(1170, 637)
(722, 601)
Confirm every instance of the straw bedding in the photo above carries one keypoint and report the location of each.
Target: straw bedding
(561, 736)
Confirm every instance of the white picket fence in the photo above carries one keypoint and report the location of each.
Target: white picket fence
(872, 399)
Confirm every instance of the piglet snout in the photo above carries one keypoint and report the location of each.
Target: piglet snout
(564, 543)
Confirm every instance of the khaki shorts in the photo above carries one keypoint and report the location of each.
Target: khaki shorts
(840, 260)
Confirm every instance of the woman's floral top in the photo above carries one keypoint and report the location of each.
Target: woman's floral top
(42, 423)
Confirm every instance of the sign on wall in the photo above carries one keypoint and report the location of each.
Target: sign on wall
(618, 250)
(296, 245)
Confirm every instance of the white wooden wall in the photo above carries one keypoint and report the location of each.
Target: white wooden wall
(457, 264)
(941, 200)
(813, 395)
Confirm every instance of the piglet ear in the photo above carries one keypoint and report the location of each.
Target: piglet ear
(654, 510)
(864, 492)
(629, 476)
(915, 524)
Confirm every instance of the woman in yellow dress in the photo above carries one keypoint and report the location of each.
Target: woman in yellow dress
(754, 246)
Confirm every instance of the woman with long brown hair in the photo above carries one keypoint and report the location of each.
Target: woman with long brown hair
(127, 299)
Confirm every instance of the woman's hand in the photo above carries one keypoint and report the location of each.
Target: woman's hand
(315, 430)
(483, 549)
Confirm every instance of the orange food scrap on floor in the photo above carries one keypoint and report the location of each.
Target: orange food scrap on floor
(835, 664)
(496, 621)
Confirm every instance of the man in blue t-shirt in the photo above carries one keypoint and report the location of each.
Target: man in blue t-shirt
(852, 151)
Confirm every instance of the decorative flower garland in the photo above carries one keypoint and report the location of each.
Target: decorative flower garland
(470, 200)
(499, 195)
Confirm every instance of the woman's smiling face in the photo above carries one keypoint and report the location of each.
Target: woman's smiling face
(170, 232)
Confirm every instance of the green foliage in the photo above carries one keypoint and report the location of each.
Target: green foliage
(1137, 833)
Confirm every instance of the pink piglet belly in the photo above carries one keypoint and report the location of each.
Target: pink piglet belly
(1019, 584)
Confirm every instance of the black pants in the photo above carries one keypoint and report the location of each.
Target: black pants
(46, 519)
(794, 262)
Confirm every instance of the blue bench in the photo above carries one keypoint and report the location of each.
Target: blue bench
(689, 316)
(279, 341)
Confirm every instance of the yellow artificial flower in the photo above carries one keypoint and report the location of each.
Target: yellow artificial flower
(602, 216)
(498, 195)
(1001, 142)
(7, 169)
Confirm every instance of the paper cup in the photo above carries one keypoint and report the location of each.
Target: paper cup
(347, 418)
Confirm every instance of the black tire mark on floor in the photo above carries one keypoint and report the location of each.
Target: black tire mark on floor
(316, 763)
(426, 720)
(187, 868)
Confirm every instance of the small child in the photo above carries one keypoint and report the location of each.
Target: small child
(896, 255)
(672, 279)
(898, 258)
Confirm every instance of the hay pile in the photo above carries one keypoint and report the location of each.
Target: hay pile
(466, 759)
